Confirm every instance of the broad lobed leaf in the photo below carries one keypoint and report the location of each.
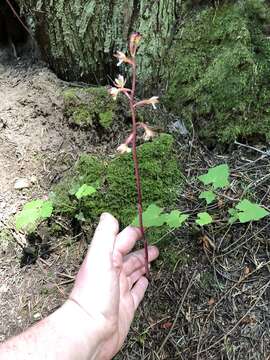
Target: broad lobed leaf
(218, 176)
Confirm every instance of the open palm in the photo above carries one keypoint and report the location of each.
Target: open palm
(111, 282)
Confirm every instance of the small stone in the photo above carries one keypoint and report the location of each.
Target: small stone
(33, 179)
(37, 316)
(21, 183)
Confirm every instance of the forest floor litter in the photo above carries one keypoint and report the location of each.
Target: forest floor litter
(209, 296)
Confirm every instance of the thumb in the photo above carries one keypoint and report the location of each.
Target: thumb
(105, 235)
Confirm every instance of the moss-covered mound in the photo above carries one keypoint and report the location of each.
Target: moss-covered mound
(221, 78)
(114, 179)
(89, 106)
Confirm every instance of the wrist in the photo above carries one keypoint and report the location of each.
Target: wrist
(83, 331)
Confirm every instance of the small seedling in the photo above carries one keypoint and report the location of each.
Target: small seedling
(246, 211)
(35, 211)
(153, 216)
(204, 219)
(85, 190)
(218, 176)
(209, 196)
(32, 214)
(119, 87)
(175, 219)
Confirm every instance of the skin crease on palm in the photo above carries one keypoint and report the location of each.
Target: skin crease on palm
(111, 282)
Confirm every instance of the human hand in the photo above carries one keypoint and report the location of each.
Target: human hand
(111, 283)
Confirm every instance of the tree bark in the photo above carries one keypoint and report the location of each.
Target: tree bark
(79, 37)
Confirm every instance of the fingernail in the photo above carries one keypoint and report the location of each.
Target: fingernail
(103, 216)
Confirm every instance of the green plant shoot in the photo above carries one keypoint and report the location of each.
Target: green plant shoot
(209, 196)
(153, 216)
(85, 190)
(32, 214)
(218, 176)
(246, 211)
(204, 219)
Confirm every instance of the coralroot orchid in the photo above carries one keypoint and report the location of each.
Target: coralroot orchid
(122, 58)
(123, 148)
(152, 101)
(119, 83)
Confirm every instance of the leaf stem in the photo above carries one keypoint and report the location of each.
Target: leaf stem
(136, 165)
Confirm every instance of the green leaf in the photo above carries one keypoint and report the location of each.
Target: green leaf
(32, 214)
(217, 176)
(85, 190)
(175, 219)
(80, 216)
(249, 211)
(74, 189)
(152, 217)
(209, 196)
(234, 215)
(204, 219)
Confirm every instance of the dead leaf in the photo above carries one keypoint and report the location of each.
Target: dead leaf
(167, 325)
(211, 301)
(248, 319)
(220, 203)
(207, 242)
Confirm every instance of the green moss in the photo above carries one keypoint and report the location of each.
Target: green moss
(222, 66)
(160, 177)
(82, 116)
(88, 170)
(105, 119)
(89, 106)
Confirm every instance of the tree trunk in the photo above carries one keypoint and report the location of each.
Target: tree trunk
(79, 37)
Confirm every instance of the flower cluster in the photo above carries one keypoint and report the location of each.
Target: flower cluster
(119, 83)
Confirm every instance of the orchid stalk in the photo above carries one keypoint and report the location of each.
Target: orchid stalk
(119, 87)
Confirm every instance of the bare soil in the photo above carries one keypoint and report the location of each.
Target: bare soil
(37, 145)
(209, 294)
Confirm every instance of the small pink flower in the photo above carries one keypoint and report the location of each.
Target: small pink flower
(122, 58)
(123, 148)
(148, 133)
(152, 101)
(113, 91)
(134, 40)
(120, 82)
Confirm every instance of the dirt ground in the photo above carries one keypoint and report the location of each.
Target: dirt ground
(210, 290)
(35, 145)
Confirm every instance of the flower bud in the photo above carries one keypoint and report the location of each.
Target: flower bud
(135, 38)
(148, 133)
(123, 148)
(152, 101)
(120, 81)
(122, 58)
(113, 91)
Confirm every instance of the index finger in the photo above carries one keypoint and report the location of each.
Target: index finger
(127, 238)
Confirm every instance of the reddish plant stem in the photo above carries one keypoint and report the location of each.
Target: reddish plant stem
(130, 137)
(136, 165)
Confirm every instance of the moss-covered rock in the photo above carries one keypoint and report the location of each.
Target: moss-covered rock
(222, 71)
(89, 106)
(160, 176)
